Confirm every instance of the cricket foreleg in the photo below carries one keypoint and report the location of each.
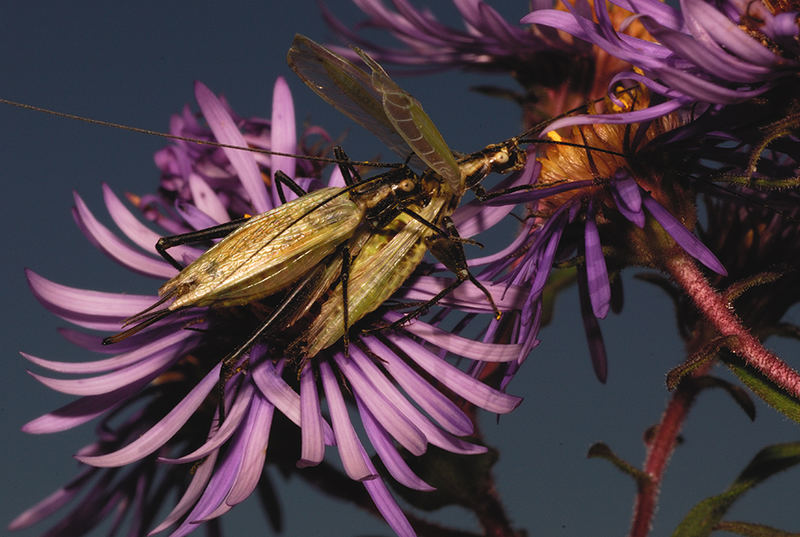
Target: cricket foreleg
(214, 232)
(447, 249)
(439, 231)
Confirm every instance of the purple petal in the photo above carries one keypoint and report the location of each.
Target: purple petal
(385, 503)
(383, 445)
(473, 390)
(259, 422)
(115, 248)
(82, 410)
(236, 414)
(101, 384)
(399, 426)
(596, 271)
(195, 489)
(432, 433)
(468, 348)
(226, 132)
(52, 503)
(162, 431)
(206, 200)
(594, 336)
(355, 464)
(284, 136)
(161, 345)
(685, 238)
(312, 449)
(436, 404)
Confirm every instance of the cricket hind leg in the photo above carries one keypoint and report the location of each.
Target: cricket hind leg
(447, 249)
(214, 232)
(282, 178)
(349, 172)
(221, 230)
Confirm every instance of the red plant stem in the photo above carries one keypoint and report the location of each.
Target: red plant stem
(720, 315)
(659, 451)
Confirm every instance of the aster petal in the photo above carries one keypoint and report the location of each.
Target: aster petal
(256, 434)
(432, 433)
(685, 238)
(468, 348)
(52, 503)
(390, 417)
(138, 233)
(161, 345)
(154, 365)
(594, 336)
(162, 431)
(436, 404)
(81, 410)
(389, 456)
(596, 271)
(356, 465)
(206, 200)
(385, 503)
(704, 19)
(283, 133)
(116, 249)
(226, 132)
(471, 389)
(628, 199)
(233, 419)
(85, 301)
(466, 297)
(210, 504)
(312, 449)
(81, 306)
(195, 489)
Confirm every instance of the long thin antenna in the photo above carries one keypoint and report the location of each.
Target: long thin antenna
(198, 141)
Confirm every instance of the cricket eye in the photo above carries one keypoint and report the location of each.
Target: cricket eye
(406, 185)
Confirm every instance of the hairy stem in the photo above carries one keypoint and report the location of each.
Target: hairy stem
(721, 316)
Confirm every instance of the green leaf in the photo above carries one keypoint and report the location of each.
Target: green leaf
(703, 356)
(771, 394)
(706, 515)
(753, 530)
(602, 451)
(739, 394)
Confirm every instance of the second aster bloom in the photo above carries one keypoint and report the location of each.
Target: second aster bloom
(405, 392)
(607, 202)
(718, 53)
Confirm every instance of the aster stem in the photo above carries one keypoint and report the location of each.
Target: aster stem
(659, 451)
(721, 316)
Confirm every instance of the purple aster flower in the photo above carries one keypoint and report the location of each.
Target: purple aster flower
(608, 203)
(703, 52)
(557, 73)
(405, 392)
(487, 41)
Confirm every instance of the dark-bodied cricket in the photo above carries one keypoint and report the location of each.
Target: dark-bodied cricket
(349, 247)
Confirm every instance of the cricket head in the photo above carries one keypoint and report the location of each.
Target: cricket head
(505, 157)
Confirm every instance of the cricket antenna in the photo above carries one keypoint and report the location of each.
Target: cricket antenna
(149, 132)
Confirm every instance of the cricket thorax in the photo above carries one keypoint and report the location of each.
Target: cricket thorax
(505, 157)
(385, 199)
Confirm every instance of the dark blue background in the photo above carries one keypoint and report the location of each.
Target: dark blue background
(136, 65)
